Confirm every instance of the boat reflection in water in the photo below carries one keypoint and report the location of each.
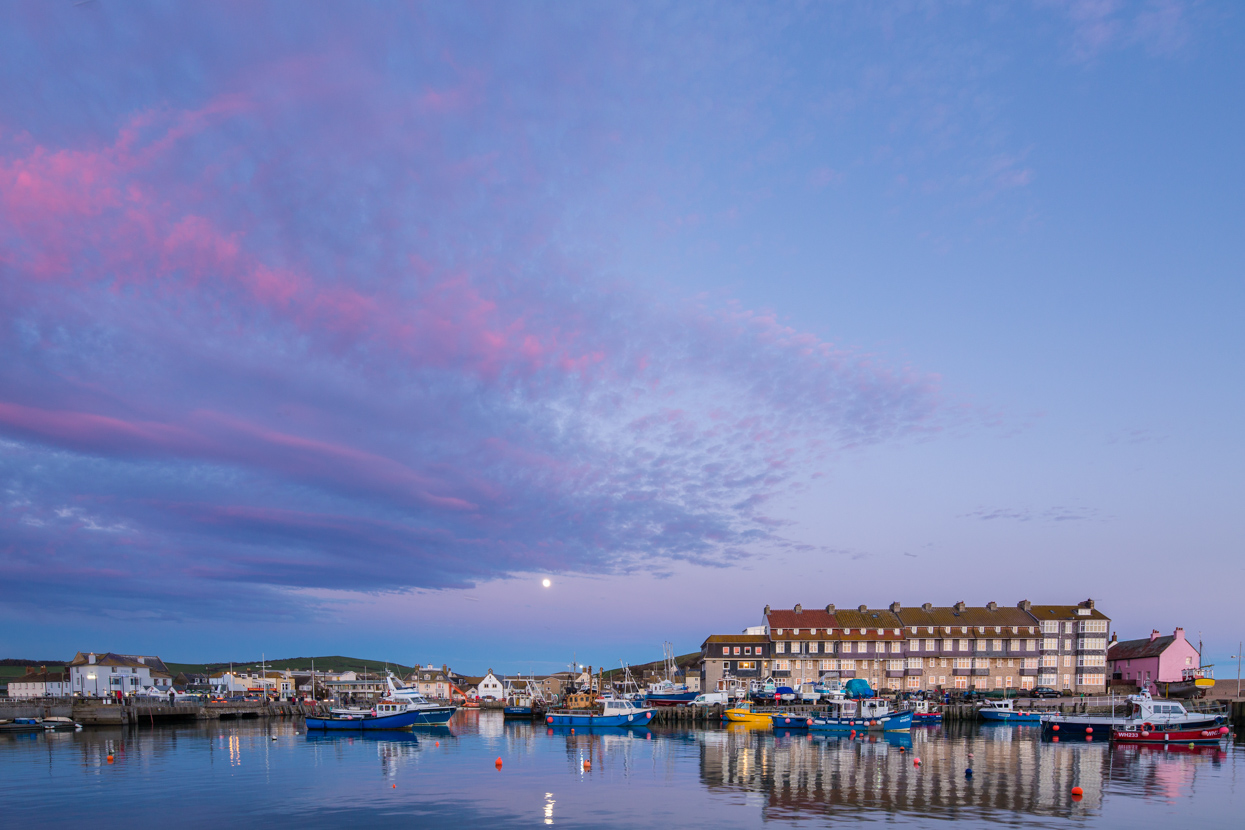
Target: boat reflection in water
(803, 774)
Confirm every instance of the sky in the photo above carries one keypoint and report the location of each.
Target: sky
(338, 328)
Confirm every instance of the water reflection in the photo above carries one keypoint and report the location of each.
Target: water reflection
(921, 773)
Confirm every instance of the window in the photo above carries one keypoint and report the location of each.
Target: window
(726, 665)
(782, 665)
(930, 646)
(963, 663)
(1091, 680)
(961, 682)
(828, 665)
(1067, 661)
(997, 645)
(913, 682)
(913, 663)
(963, 645)
(896, 648)
(1067, 627)
(736, 649)
(981, 662)
(847, 665)
(1091, 644)
(1009, 681)
(1091, 660)
(847, 648)
(980, 645)
(779, 632)
(747, 649)
(726, 649)
(780, 647)
(1030, 663)
(942, 662)
(1050, 627)
(1092, 627)
(746, 665)
(812, 648)
(1026, 682)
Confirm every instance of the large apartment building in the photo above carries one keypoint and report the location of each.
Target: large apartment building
(961, 647)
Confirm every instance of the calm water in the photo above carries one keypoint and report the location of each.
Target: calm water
(203, 775)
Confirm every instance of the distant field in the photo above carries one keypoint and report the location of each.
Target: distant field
(683, 661)
(18, 671)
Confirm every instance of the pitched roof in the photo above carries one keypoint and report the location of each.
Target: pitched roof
(804, 618)
(40, 677)
(735, 638)
(1066, 612)
(976, 616)
(1136, 649)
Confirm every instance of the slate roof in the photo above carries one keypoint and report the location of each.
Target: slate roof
(1137, 649)
(806, 618)
(41, 677)
(108, 658)
(973, 616)
(742, 639)
(1066, 612)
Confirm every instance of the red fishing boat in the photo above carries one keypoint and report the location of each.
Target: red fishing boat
(1171, 734)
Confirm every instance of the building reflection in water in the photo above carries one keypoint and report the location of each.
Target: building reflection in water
(800, 774)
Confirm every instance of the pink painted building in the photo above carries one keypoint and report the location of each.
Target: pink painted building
(1147, 663)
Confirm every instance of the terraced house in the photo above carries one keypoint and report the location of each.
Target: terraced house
(963, 647)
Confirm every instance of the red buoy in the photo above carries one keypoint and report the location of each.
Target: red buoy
(1055, 728)
(1077, 791)
(498, 765)
(1089, 730)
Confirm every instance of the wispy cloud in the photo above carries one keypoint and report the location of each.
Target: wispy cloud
(255, 352)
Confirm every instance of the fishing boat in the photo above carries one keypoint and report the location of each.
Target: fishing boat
(523, 700)
(1170, 734)
(925, 713)
(763, 691)
(613, 712)
(21, 725)
(742, 712)
(859, 715)
(1004, 711)
(666, 692)
(1143, 709)
(789, 720)
(1192, 683)
(388, 714)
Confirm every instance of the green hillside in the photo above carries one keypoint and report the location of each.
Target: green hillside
(327, 663)
(683, 661)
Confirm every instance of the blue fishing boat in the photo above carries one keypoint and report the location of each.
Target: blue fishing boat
(387, 714)
(613, 713)
(788, 720)
(871, 714)
(1002, 711)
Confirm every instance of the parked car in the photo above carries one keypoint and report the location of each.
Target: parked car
(1045, 691)
(710, 699)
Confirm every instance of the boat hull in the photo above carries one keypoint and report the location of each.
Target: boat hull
(433, 716)
(670, 698)
(789, 721)
(517, 712)
(747, 716)
(997, 716)
(1205, 735)
(895, 722)
(640, 717)
(926, 718)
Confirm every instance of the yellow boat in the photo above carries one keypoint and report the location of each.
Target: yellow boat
(742, 713)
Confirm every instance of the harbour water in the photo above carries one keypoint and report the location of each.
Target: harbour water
(248, 773)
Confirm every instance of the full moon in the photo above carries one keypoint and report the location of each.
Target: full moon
(546, 583)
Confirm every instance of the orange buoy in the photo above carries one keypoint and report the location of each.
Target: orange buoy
(1055, 728)
(1089, 730)
(395, 786)
(498, 763)
(110, 759)
(1077, 791)
(587, 764)
(438, 743)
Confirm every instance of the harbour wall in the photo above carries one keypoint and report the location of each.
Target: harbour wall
(150, 712)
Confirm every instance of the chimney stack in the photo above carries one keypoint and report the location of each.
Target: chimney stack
(90, 658)
(862, 609)
(895, 606)
(799, 609)
(1179, 633)
(1024, 605)
(830, 608)
(927, 607)
(993, 606)
(960, 606)
(766, 612)
(1154, 635)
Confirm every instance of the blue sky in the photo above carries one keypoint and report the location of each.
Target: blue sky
(337, 330)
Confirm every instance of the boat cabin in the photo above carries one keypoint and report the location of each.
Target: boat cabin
(1146, 708)
(841, 708)
(614, 706)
